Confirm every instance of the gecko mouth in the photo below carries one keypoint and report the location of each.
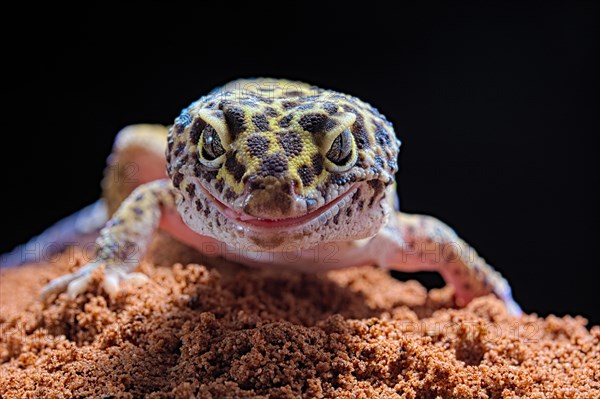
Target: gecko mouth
(321, 214)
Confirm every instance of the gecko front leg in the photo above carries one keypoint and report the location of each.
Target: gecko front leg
(418, 243)
(123, 241)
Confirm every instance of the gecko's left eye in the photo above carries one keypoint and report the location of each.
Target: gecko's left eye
(211, 149)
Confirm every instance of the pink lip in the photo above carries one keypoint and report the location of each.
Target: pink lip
(242, 218)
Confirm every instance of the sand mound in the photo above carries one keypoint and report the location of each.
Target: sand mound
(233, 332)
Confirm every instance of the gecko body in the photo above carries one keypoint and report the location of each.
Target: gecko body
(274, 173)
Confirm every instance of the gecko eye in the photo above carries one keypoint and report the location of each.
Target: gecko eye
(342, 153)
(211, 148)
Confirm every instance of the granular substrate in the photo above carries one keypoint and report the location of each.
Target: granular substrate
(233, 332)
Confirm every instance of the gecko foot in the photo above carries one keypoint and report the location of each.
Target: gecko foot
(76, 283)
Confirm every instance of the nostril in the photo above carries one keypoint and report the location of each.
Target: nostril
(255, 184)
(272, 184)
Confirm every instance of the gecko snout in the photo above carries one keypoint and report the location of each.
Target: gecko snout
(271, 198)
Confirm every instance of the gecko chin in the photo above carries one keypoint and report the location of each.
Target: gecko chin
(352, 214)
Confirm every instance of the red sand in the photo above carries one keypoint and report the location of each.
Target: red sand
(242, 333)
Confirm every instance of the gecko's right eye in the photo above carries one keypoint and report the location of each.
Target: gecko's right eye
(211, 149)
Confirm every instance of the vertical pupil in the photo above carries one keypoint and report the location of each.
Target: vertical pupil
(208, 143)
(211, 143)
(340, 148)
(342, 142)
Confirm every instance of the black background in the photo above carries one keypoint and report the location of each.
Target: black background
(496, 106)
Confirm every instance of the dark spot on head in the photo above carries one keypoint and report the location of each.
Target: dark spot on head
(211, 174)
(360, 205)
(381, 135)
(177, 178)
(191, 190)
(257, 145)
(313, 122)
(138, 211)
(229, 195)
(255, 184)
(330, 108)
(289, 104)
(274, 165)
(317, 164)
(286, 120)
(199, 205)
(294, 93)
(206, 212)
(234, 167)
(260, 121)
(307, 175)
(342, 179)
(271, 112)
(219, 185)
(236, 119)
(349, 212)
(336, 218)
(291, 143)
(360, 132)
(179, 149)
(196, 130)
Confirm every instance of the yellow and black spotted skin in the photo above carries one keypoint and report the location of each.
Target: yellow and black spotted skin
(276, 149)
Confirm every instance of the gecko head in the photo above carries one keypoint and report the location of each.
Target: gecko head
(281, 165)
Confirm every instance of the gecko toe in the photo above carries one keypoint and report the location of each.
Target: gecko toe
(56, 286)
(114, 277)
(78, 285)
(136, 278)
